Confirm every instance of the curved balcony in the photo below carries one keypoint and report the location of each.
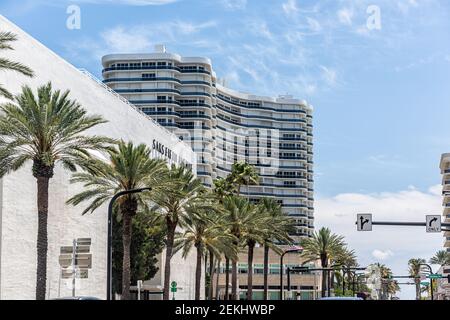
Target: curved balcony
(142, 68)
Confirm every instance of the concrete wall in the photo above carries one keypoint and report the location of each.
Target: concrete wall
(18, 210)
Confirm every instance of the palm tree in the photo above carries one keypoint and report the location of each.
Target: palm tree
(241, 215)
(281, 225)
(441, 258)
(345, 258)
(256, 232)
(46, 129)
(129, 167)
(415, 270)
(389, 287)
(323, 246)
(222, 188)
(172, 203)
(242, 173)
(5, 44)
(204, 230)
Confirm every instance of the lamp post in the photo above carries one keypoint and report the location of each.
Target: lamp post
(292, 250)
(109, 256)
(431, 279)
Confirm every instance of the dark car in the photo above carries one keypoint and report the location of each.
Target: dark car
(78, 298)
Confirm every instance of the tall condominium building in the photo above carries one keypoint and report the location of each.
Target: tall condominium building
(224, 126)
(445, 171)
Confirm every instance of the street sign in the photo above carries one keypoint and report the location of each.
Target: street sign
(82, 260)
(84, 241)
(433, 224)
(79, 249)
(364, 221)
(435, 276)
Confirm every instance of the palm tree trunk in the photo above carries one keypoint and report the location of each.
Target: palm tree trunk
(251, 247)
(42, 237)
(266, 271)
(217, 279)
(126, 260)
(171, 226)
(227, 277)
(417, 289)
(234, 279)
(211, 275)
(324, 263)
(198, 272)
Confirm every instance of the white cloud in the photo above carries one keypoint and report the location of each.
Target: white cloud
(382, 255)
(119, 39)
(234, 4)
(405, 5)
(345, 16)
(339, 213)
(189, 27)
(128, 2)
(313, 24)
(329, 75)
(290, 7)
(259, 28)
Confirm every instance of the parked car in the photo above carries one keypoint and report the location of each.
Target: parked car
(341, 298)
(78, 298)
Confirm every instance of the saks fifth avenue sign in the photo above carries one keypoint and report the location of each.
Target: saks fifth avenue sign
(162, 149)
(167, 153)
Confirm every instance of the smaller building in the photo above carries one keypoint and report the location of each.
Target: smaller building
(443, 285)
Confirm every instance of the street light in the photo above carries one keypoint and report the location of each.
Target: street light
(109, 256)
(431, 279)
(292, 250)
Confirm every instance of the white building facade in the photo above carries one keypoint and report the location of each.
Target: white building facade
(445, 171)
(18, 209)
(223, 126)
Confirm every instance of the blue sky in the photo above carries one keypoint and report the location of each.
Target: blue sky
(381, 96)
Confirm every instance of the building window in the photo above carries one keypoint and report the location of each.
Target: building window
(242, 268)
(148, 76)
(274, 268)
(258, 268)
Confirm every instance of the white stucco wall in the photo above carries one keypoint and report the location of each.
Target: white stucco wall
(18, 210)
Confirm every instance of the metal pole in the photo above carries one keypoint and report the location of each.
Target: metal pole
(431, 279)
(343, 282)
(281, 275)
(109, 244)
(74, 249)
(289, 280)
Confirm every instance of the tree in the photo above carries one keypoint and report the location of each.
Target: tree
(5, 44)
(172, 203)
(223, 188)
(389, 287)
(242, 173)
(323, 246)
(204, 230)
(46, 130)
(415, 269)
(281, 225)
(255, 232)
(441, 258)
(129, 167)
(147, 242)
(241, 216)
